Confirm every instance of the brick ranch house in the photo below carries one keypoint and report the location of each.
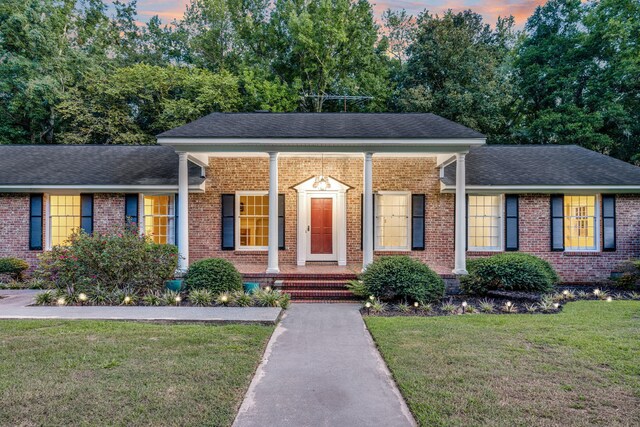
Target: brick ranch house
(347, 187)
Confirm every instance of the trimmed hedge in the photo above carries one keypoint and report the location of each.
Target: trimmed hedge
(215, 274)
(403, 278)
(14, 267)
(509, 272)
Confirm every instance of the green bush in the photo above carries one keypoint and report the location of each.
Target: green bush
(120, 259)
(14, 267)
(402, 278)
(628, 275)
(509, 272)
(215, 274)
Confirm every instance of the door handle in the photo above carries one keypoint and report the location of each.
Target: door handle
(308, 228)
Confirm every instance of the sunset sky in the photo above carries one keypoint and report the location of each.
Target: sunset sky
(491, 9)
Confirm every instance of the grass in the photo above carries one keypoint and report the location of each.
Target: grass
(64, 373)
(577, 367)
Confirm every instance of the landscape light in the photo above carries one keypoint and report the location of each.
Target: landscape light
(464, 304)
(596, 292)
(609, 299)
(508, 304)
(556, 305)
(61, 301)
(368, 305)
(178, 299)
(267, 288)
(416, 304)
(127, 299)
(224, 298)
(82, 297)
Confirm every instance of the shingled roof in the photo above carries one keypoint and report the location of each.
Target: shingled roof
(99, 165)
(323, 125)
(542, 165)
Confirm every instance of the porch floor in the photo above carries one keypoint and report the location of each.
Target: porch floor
(249, 270)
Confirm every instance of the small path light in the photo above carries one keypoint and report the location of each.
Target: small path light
(368, 307)
(609, 299)
(267, 288)
(415, 306)
(82, 298)
(178, 299)
(565, 293)
(556, 305)
(61, 301)
(127, 300)
(371, 297)
(464, 306)
(596, 292)
(508, 304)
(224, 299)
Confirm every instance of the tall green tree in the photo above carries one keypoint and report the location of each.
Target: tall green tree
(328, 47)
(460, 68)
(578, 73)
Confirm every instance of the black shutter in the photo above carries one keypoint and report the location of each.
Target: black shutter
(281, 221)
(131, 209)
(609, 222)
(557, 222)
(35, 222)
(511, 230)
(228, 221)
(175, 219)
(417, 221)
(86, 213)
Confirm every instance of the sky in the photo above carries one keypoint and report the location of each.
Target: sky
(490, 9)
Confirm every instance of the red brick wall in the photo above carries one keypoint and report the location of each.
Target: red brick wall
(578, 267)
(108, 211)
(228, 175)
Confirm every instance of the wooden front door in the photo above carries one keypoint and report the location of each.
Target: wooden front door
(321, 225)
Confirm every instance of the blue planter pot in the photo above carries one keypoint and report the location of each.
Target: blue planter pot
(174, 285)
(251, 287)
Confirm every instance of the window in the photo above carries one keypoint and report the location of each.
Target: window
(64, 218)
(484, 228)
(580, 217)
(159, 218)
(252, 211)
(392, 221)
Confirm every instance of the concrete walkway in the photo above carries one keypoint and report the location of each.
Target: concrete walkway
(321, 368)
(14, 305)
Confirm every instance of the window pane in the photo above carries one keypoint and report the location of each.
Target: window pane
(159, 218)
(254, 221)
(484, 217)
(580, 222)
(64, 218)
(392, 221)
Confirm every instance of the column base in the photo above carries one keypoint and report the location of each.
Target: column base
(275, 270)
(460, 272)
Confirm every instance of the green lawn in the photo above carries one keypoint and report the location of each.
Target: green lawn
(62, 373)
(578, 367)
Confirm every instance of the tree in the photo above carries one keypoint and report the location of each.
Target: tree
(577, 76)
(458, 67)
(328, 46)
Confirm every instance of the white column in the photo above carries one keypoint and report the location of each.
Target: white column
(183, 212)
(461, 219)
(367, 213)
(272, 264)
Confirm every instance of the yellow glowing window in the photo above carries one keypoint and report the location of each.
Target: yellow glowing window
(159, 218)
(64, 218)
(580, 223)
(392, 221)
(253, 219)
(484, 226)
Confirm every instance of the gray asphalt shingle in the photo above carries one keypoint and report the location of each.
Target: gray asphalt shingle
(542, 165)
(322, 125)
(91, 165)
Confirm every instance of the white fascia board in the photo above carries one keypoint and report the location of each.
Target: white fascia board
(199, 159)
(203, 145)
(98, 188)
(546, 189)
(445, 160)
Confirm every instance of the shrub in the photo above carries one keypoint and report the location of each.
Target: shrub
(201, 297)
(509, 272)
(358, 288)
(242, 299)
(120, 259)
(402, 278)
(628, 275)
(14, 267)
(215, 274)
(44, 298)
(152, 299)
(272, 298)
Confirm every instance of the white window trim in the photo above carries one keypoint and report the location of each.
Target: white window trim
(406, 248)
(48, 237)
(237, 221)
(500, 247)
(596, 225)
(142, 226)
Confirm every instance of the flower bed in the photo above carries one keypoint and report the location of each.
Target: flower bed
(266, 297)
(499, 303)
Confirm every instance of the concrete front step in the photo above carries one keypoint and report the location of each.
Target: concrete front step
(313, 284)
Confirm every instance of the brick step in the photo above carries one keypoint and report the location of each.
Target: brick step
(313, 284)
(320, 294)
(300, 276)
